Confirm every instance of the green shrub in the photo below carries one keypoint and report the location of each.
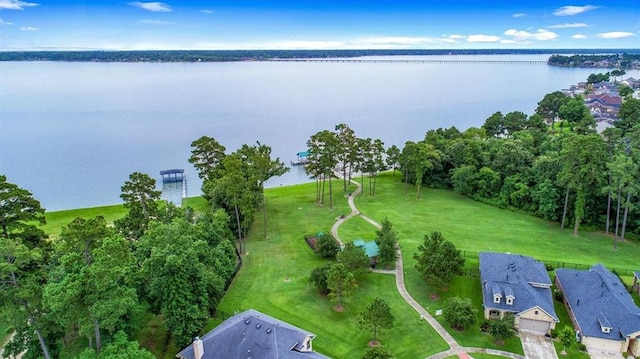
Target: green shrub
(558, 295)
(549, 267)
(326, 246)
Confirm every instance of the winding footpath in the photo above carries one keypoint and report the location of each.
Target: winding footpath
(454, 347)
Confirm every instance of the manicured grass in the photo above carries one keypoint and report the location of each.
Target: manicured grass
(199, 204)
(473, 226)
(274, 280)
(57, 220)
(466, 287)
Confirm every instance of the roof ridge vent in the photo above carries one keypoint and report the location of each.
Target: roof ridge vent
(258, 326)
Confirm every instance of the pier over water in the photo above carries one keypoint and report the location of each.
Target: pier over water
(418, 61)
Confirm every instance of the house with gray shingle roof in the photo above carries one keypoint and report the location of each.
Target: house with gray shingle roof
(601, 309)
(252, 334)
(517, 284)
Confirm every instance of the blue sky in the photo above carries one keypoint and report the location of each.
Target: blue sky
(319, 24)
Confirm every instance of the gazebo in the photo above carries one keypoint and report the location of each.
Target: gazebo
(370, 248)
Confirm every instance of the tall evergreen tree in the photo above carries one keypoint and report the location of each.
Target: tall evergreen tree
(438, 260)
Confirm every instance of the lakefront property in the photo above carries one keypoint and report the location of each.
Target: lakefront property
(498, 207)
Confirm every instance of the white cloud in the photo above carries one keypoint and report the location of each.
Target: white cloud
(578, 36)
(483, 38)
(568, 25)
(206, 11)
(573, 10)
(29, 28)
(2, 22)
(151, 6)
(456, 37)
(157, 22)
(15, 4)
(509, 42)
(541, 35)
(615, 35)
(519, 15)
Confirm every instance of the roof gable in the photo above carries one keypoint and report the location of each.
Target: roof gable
(599, 300)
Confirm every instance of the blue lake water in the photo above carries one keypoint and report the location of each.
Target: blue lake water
(71, 133)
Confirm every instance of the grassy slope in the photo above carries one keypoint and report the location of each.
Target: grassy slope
(474, 226)
(261, 283)
(477, 227)
(56, 220)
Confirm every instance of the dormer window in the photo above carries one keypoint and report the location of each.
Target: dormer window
(605, 326)
(510, 300)
(496, 298)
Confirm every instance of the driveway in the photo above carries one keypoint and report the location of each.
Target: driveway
(536, 346)
(598, 354)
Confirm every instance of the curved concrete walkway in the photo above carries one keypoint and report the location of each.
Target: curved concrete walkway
(454, 347)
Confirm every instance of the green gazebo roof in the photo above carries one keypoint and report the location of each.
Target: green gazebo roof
(370, 248)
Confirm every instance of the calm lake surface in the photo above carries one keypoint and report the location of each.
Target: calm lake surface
(71, 133)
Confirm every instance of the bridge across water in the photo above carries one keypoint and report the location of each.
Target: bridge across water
(419, 61)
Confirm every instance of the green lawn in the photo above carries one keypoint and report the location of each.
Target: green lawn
(274, 278)
(262, 283)
(56, 220)
(473, 226)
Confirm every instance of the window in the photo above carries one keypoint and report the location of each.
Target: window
(510, 300)
(496, 298)
(494, 313)
(536, 312)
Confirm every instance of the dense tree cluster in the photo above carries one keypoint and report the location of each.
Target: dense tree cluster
(611, 60)
(235, 182)
(245, 55)
(519, 161)
(341, 153)
(88, 283)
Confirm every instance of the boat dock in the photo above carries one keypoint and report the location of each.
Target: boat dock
(302, 159)
(174, 185)
(173, 175)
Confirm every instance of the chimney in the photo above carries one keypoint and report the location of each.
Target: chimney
(198, 348)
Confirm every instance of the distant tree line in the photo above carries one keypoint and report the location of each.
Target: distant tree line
(246, 55)
(624, 60)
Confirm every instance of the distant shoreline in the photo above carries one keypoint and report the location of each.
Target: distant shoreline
(262, 55)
